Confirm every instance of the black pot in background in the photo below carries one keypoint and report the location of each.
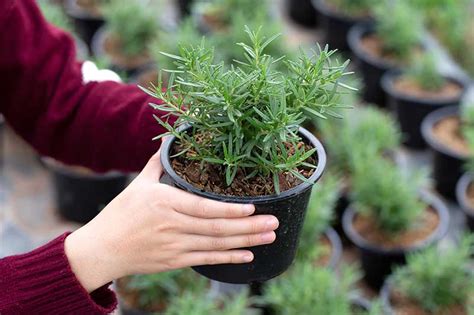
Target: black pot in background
(411, 110)
(184, 7)
(335, 25)
(447, 163)
(336, 247)
(85, 24)
(302, 12)
(341, 205)
(80, 197)
(289, 207)
(377, 262)
(461, 196)
(360, 304)
(371, 68)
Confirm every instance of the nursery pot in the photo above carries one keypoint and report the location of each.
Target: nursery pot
(289, 207)
(378, 262)
(80, 197)
(411, 110)
(447, 163)
(461, 195)
(335, 25)
(360, 304)
(302, 12)
(184, 7)
(371, 67)
(336, 248)
(85, 24)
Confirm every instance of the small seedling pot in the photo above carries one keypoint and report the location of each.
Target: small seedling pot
(184, 7)
(302, 12)
(378, 262)
(360, 304)
(85, 24)
(80, 196)
(82, 51)
(289, 207)
(447, 163)
(461, 195)
(335, 25)
(371, 68)
(336, 248)
(411, 110)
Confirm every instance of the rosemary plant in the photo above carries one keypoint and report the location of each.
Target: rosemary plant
(437, 284)
(247, 116)
(425, 73)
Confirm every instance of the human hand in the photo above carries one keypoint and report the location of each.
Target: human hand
(152, 227)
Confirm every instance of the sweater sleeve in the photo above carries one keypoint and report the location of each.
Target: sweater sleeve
(42, 282)
(102, 126)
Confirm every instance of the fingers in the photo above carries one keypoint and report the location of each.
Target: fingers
(153, 169)
(209, 243)
(216, 258)
(230, 227)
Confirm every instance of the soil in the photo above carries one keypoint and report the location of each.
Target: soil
(470, 197)
(211, 177)
(325, 245)
(408, 86)
(131, 298)
(90, 6)
(373, 46)
(336, 9)
(448, 132)
(402, 305)
(214, 22)
(367, 228)
(112, 48)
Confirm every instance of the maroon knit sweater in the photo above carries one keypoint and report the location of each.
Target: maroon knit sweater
(102, 126)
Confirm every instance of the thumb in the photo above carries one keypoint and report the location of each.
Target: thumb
(153, 169)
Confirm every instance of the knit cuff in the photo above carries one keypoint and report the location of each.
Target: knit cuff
(45, 284)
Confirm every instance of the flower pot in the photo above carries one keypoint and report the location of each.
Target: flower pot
(82, 51)
(377, 261)
(289, 207)
(371, 67)
(184, 7)
(360, 304)
(341, 205)
(335, 25)
(411, 109)
(80, 196)
(85, 23)
(463, 187)
(302, 12)
(336, 248)
(106, 46)
(447, 161)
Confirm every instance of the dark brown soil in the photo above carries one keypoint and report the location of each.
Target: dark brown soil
(90, 6)
(131, 298)
(112, 48)
(410, 87)
(448, 132)
(336, 9)
(214, 22)
(367, 228)
(402, 305)
(373, 46)
(325, 245)
(211, 177)
(470, 196)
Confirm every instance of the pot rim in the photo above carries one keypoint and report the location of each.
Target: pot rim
(322, 7)
(336, 245)
(389, 78)
(358, 300)
(74, 10)
(427, 126)
(51, 164)
(166, 162)
(461, 193)
(439, 233)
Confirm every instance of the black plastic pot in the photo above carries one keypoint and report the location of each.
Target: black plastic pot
(360, 304)
(335, 25)
(80, 197)
(289, 207)
(85, 24)
(411, 110)
(377, 262)
(461, 196)
(302, 12)
(371, 68)
(184, 7)
(341, 205)
(447, 163)
(336, 248)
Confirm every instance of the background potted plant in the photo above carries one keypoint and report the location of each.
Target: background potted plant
(336, 17)
(442, 131)
(387, 44)
(417, 92)
(389, 216)
(184, 7)
(302, 12)
(125, 44)
(243, 122)
(433, 282)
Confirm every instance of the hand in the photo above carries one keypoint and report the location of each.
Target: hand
(152, 227)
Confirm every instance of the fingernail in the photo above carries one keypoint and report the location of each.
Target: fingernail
(248, 209)
(272, 223)
(268, 237)
(248, 257)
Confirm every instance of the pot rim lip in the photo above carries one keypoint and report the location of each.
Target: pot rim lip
(72, 9)
(461, 193)
(427, 130)
(51, 164)
(166, 162)
(387, 85)
(439, 233)
(354, 36)
(322, 7)
(336, 244)
(359, 300)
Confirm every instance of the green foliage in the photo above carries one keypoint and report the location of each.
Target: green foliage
(400, 27)
(385, 193)
(223, 10)
(164, 286)
(133, 23)
(467, 116)
(55, 15)
(425, 73)
(249, 114)
(354, 7)
(435, 283)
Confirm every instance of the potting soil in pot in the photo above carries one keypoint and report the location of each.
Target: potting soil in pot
(448, 132)
(410, 87)
(403, 305)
